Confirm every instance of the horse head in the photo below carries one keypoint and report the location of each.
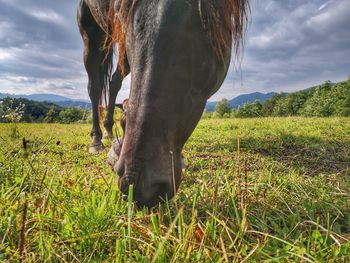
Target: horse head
(179, 53)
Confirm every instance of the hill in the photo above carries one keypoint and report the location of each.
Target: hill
(25, 110)
(29, 110)
(66, 102)
(243, 99)
(62, 101)
(74, 104)
(327, 99)
(36, 97)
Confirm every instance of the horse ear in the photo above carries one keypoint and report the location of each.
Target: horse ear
(125, 104)
(120, 106)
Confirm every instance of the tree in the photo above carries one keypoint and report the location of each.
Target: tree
(290, 105)
(321, 104)
(223, 107)
(249, 110)
(70, 115)
(52, 115)
(341, 93)
(33, 111)
(270, 104)
(12, 111)
(2, 111)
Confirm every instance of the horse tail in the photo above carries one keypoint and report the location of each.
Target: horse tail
(117, 16)
(106, 72)
(100, 12)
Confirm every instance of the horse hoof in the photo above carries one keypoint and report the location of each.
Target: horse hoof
(108, 135)
(97, 148)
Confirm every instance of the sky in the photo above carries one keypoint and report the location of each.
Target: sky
(290, 45)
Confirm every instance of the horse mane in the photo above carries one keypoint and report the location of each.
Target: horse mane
(118, 14)
(224, 20)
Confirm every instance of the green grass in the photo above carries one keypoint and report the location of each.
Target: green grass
(283, 197)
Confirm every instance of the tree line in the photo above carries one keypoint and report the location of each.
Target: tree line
(24, 110)
(325, 100)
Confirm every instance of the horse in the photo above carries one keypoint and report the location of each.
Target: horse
(178, 53)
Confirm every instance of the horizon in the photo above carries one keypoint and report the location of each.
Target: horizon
(302, 45)
(87, 100)
(209, 100)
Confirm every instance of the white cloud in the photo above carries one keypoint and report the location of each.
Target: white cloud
(291, 45)
(47, 15)
(5, 54)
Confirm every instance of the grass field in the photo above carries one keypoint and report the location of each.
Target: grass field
(273, 190)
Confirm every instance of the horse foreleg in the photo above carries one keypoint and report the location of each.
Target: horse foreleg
(93, 38)
(114, 88)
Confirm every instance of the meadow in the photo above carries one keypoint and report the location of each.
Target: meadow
(256, 190)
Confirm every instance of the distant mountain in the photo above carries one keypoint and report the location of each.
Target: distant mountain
(67, 102)
(243, 99)
(57, 99)
(47, 97)
(211, 105)
(247, 98)
(37, 97)
(74, 104)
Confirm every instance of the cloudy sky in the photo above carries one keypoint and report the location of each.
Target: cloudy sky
(290, 45)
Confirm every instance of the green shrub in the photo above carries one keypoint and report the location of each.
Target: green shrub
(71, 115)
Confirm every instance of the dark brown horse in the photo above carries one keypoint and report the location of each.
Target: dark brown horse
(93, 25)
(178, 53)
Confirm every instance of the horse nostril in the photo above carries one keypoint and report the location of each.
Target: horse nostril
(124, 183)
(163, 191)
